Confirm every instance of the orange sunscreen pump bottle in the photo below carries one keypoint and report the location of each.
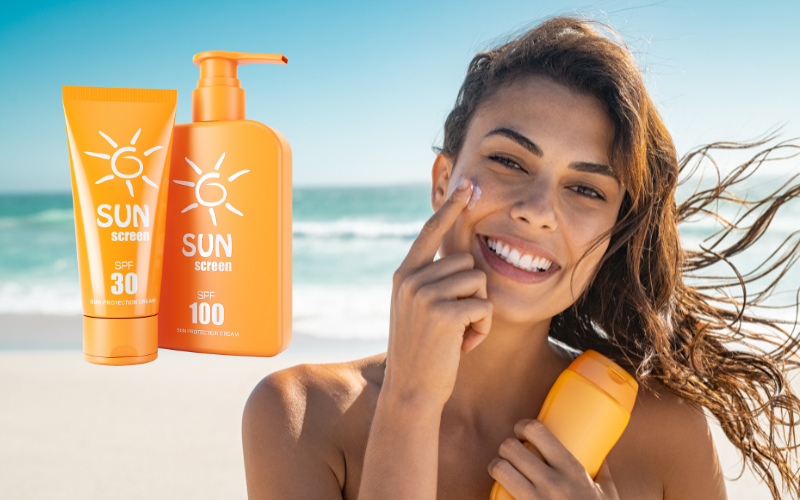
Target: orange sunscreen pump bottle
(587, 409)
(119, 144)
(227, 285)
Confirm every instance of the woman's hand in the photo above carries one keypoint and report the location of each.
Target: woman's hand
(439, 309)
(547, 471)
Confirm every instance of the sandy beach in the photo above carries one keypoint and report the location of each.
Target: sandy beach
(167, 429)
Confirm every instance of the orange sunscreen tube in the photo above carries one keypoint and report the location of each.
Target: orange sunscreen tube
(119, 142)
(587, 409)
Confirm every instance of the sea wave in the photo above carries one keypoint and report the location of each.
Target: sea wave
(342, 313)
(345, 228)
(52, 216)
(19, 297)
(330, 312)
(356, 229)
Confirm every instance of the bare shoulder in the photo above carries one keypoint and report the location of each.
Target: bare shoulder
(294, 423)
(675, 439)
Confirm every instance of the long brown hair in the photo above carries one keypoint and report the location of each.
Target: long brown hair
(645, 306)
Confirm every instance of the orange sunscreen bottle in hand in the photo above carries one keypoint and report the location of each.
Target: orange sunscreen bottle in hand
(587, 409)
(119, 144)
(227, 286)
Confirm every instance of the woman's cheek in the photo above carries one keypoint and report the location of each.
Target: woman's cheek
(475, 196)
(590, 232)
(487, 195)
(581, 271)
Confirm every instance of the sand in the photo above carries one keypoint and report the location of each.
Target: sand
(167, 429)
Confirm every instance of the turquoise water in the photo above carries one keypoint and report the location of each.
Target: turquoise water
(347, 242)
(354, 236)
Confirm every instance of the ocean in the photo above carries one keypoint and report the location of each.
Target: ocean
(347, 242)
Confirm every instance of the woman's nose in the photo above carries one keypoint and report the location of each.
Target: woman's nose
(536, 204)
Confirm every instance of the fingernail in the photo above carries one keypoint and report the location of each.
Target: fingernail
(476, 193)
(456, 185)
(462, 183)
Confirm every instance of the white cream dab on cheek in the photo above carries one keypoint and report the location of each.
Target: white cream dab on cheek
(476, 193)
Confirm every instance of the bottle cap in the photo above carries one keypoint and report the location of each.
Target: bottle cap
(123, 341)
(609, 376)
(219, 95)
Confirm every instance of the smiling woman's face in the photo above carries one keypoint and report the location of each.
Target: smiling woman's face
(539, 153)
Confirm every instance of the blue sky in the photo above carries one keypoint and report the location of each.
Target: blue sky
(369, 84)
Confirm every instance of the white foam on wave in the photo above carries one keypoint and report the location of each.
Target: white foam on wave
(40, 298)
(51, 216)
(342, 313)
(356, 228)
(330, 312)
(348, 227)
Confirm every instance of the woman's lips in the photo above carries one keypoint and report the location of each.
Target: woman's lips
(514, 273)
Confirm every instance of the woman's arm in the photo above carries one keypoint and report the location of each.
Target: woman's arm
(690, 462)
(439, 309)
(673, 442)
(402, 454)
(286, 450)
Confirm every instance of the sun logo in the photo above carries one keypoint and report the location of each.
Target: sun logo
(203, 178)
(119, 151)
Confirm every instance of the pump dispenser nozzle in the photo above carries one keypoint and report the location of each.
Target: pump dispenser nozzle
(219, 95)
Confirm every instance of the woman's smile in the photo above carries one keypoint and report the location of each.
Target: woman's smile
(509, 270)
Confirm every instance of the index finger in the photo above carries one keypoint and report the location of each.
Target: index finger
(424, 248)
(550, 448)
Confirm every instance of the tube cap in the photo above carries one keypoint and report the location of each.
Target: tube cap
(609, 376)
(219, 95)
(123, 341)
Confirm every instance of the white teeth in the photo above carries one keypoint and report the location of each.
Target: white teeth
(513, 257)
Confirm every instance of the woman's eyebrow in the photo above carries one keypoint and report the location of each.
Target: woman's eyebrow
(581, 166)
(594, 168)
(518, 138)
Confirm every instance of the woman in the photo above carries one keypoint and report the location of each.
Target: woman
(575, 169)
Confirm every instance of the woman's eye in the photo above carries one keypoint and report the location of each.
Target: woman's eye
(581, 190)
(508, 162)
(592, 192)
